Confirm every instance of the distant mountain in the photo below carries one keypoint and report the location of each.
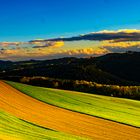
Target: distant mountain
(115, 68)
(5, 64)
(124, 65)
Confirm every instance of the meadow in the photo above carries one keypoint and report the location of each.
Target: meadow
(121, 110)
(68, 124)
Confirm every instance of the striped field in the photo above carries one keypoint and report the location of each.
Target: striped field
(43, 120)
(117, 109)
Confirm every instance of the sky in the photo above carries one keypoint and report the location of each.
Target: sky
(26, 20)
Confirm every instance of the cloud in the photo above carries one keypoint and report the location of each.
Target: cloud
(121, 46)
(54, 44)
(7, 44)
(120, 31)
(125, 35)
(92, 44)
(85, 52)
(43, 53)
(120, 49)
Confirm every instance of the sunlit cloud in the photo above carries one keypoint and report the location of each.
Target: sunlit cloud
(121, 46)
(54, 44)
(7, 44)
(84, 45)
(85, 51)
(119, 31)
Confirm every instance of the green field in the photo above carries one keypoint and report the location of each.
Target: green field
(12, 128)
(117, 109)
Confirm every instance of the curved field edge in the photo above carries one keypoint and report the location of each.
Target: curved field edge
(124, 111)
(12, 128)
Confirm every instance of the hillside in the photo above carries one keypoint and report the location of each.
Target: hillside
(123, 65)
(121, 110)
(56, 122)
(114, 69)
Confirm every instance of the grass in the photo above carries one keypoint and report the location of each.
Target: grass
(12, 128)
(116, 109)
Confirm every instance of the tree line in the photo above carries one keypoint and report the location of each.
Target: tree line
(131, 92)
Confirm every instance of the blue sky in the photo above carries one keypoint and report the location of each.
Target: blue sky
(22, 20)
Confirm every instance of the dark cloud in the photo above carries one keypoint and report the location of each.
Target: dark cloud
(121, 35)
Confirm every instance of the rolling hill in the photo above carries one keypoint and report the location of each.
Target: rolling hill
(123, 65)
(58, 114)
(114, 69)
(121, 110)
